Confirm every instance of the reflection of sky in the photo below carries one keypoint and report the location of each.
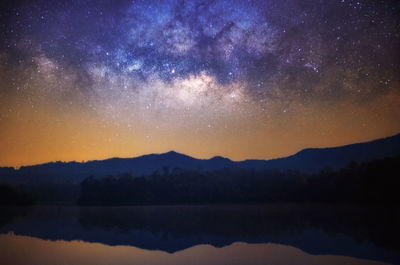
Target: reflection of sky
(314, 229)
(20, 249)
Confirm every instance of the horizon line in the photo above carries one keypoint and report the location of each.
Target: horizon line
(174, 151)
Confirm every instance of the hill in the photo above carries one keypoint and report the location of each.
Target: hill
(307, 161)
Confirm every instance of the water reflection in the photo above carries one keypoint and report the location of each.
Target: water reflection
(23, 249)
(337, 230)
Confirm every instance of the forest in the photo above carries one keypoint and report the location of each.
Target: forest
(375, 181)
(371, 182)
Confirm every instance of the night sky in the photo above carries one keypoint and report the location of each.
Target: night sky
(84, 80)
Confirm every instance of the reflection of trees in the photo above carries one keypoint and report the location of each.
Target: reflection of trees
(252, 223)
(9, 214)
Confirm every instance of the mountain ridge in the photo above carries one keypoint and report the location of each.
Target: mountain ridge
(309, 160)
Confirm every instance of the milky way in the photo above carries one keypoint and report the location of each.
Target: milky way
(260, 79)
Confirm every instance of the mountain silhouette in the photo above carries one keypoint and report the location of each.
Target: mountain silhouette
(308, 161)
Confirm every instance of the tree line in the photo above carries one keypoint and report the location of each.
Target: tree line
(371, 182)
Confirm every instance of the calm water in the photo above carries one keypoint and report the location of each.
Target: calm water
(267, 234)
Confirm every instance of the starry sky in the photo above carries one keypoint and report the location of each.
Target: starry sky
(83, 80)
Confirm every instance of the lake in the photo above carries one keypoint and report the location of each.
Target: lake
(219, 234)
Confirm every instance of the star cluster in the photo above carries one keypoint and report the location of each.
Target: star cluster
(236, 78)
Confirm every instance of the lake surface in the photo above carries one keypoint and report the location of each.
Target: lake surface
(235, 234)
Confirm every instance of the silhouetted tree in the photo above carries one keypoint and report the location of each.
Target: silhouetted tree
(374, 181)
(13, 196)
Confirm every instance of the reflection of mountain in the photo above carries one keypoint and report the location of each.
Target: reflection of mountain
(308, 160)
(316, 229)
